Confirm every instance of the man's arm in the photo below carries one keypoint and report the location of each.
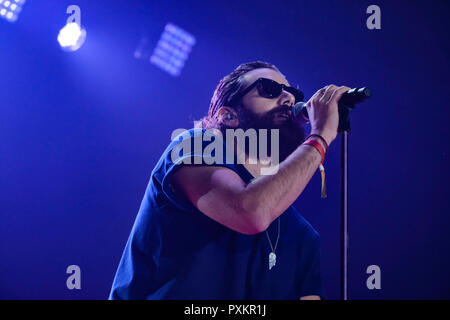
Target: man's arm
(223, 196)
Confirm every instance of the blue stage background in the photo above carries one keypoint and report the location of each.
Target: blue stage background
(80, 132)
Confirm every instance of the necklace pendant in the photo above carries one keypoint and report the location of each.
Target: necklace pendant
(272, 260)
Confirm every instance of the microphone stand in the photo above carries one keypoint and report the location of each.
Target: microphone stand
(345, 105)
(344, 129)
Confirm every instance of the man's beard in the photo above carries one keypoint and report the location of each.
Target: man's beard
(291, 131)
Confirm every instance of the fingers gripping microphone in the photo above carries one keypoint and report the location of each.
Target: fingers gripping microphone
(348, 99)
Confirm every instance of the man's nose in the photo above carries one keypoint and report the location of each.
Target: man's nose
(287, 98)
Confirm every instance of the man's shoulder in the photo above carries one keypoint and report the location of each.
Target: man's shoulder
(195, 146)
(194, 139)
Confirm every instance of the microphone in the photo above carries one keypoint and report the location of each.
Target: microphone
(348, 99)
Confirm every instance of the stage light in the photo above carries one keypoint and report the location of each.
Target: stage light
(171, 52)
(10, 9)
(71, 37)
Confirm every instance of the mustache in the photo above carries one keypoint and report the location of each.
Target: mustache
(249, 119)
(281, 109)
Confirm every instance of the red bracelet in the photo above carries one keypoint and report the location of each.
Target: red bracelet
(321, 138)
(318, 146)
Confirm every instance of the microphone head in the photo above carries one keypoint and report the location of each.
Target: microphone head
(299, 110)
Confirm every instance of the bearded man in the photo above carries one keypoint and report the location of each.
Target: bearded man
(223, 229)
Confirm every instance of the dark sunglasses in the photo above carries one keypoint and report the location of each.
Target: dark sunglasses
(270, 89)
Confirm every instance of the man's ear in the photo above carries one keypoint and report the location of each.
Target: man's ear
(227, 116)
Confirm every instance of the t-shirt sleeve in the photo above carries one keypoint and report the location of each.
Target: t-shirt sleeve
(311, 282)
(191, 147)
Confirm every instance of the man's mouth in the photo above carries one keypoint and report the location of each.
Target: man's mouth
(283, 115)
(284, 112)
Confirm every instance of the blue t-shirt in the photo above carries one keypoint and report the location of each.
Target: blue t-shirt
(175, 251)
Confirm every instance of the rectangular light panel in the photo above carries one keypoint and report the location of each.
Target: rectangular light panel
(173, 49)
(10, 9)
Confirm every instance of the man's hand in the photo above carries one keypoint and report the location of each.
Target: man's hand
(323, 111)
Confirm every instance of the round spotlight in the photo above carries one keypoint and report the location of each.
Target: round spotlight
(71, 37)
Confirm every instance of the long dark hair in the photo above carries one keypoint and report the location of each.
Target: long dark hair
(228, 87)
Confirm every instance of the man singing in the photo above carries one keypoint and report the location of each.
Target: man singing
(223, 229)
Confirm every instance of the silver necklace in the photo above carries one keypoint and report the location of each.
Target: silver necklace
(272, 255)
